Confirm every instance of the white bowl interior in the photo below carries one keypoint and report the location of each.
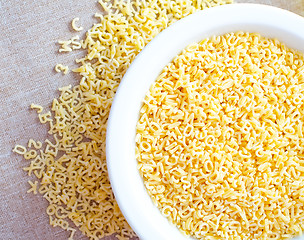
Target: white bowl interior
(130, 193)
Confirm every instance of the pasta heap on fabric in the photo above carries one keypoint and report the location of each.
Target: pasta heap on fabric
(71, 165)
(220, 139)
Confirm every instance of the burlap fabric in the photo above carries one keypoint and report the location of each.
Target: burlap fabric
(29, 31)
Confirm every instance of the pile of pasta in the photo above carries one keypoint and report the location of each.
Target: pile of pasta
(220, 139)
(70, 167)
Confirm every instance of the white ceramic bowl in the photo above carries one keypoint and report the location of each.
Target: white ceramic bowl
(134, 202)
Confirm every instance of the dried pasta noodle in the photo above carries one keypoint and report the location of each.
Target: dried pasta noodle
(61, 68)
(73, 23)
(220, 139)
(71, 165)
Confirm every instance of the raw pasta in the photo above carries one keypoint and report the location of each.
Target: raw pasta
(74, 26)
(61, 68)
(71, 164)
(220, 139)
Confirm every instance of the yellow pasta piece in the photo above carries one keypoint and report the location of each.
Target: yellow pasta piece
(30, 154)
(75, 43)
(65, 46)
(46, 117)
(71, 237)
(35, 144)
(61, 68)
(33, 187)
(38, 107)
(74, 25)
(19, 149)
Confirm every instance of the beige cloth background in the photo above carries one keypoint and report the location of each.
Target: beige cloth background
(29, 30)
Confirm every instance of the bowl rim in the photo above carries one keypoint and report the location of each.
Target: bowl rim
(126, 182)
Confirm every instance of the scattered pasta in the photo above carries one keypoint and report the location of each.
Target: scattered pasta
(38, 107)
(74, 25)
(61, 68)
(71, 165)
(33, 187)
(65, 46)
(75, 43)
(35, 144)
(220, 139)
(19, 149)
